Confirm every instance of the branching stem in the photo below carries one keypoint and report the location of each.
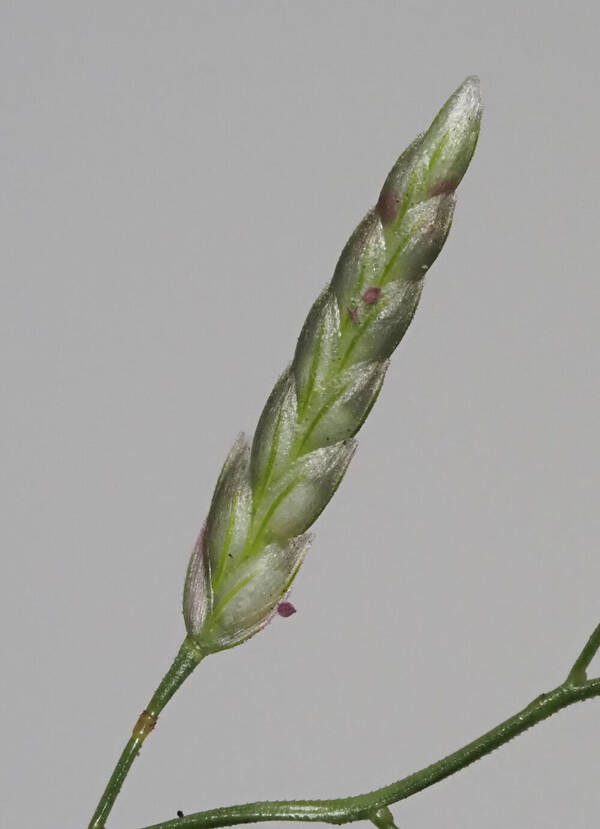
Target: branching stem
(578, 673)
(372, 806)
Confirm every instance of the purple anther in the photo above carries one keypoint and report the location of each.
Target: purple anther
(353, 314)
(371, 295)
(286, 609)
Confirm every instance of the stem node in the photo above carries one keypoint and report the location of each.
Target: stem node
(145, 724)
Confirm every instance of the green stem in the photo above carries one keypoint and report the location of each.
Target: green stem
(184, 663)
(578, 672)
(370, 806)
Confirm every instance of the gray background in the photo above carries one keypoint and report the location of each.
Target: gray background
(177, 182)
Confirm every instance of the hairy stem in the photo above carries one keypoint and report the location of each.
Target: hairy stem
(371, 806)
(183, 665)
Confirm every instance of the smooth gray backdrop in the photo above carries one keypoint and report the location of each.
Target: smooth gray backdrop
(177, 182)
